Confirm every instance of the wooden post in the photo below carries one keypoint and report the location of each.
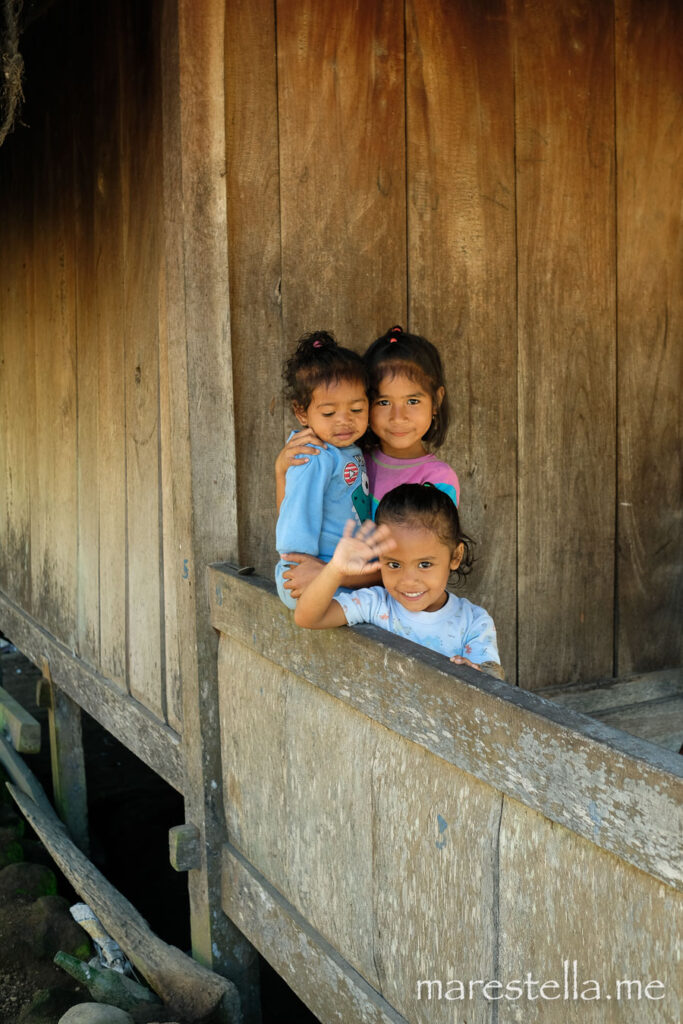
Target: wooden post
(200, 421)
(67, 760)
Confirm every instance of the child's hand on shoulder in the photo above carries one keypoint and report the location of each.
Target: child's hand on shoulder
(298, 450)
(357, 553)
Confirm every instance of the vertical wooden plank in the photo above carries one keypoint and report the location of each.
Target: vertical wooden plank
(201, 421)
(142, 188)
(462, 274)
(111, 448)
(562, 899)
(342, 167)
(564, 81)
(82, 120)
(649, 80)
(255, 272)
(17, 370)
(54, 505)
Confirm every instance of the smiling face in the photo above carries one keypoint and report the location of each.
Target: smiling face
(337, 412)
(401, 414)
(416, 572)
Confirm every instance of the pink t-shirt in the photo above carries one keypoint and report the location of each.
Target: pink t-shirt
(385, 473)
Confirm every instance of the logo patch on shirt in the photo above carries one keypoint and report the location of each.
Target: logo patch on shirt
(350, 473)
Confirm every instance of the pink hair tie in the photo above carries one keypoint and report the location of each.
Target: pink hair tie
(317, 343)
(391, 340)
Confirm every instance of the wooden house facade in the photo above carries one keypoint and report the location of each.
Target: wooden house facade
(191, 186)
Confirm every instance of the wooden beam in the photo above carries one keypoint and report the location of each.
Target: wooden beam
(21, 726)
(620, 792)
(121, 715)
(320, 976)
(187, 987)
(198, 370)
(67, 761)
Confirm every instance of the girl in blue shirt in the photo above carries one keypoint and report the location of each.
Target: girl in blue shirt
(416, 543)
(327, 386)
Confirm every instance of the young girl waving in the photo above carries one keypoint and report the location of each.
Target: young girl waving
(416, 543)
(327, 387)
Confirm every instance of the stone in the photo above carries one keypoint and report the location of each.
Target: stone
(95, 1013)
(28, 881)
(48, 1005)
(50, 927)
(11, 850)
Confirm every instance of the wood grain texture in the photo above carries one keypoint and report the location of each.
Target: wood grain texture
(54, 502)
(17, 371)
(561, 898)
(253, 193)
(556, 761)
(312, 968)
(142, 189)
(205, 517)
(109, 294)
(122, 716)
(186, 987)
(564, 137)
(462, 272)
(650, 323)
(342, 167)
(82, 129)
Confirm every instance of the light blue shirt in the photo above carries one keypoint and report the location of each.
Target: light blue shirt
(459, 628)
(320, 496)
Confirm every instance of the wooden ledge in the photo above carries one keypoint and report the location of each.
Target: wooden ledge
(620, 792)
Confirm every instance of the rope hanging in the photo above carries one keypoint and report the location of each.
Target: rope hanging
(11, 92)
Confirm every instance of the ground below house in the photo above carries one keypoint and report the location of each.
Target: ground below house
(130, 812)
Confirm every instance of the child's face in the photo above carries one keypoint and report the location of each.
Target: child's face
(401, 415)
(416, 572)
(338, 412)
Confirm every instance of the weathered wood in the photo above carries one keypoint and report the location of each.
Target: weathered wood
(21, 726)
(649, 143)
(22, 776)
(17, 373)
(253, 194)
(649, 706)
(185, 853)
(109, 217)
(342, 167)
(54, 507)
(202, 422)
(67, 761)
(126, 719)
(561, 899)
(314, 969)
(554, 760)
(142, 190)
(81, 127)
(461, 209)
(564, 141)
(187, 987)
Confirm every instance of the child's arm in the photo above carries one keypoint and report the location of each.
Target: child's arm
(301, 444)
(305, 568)
(356, 554)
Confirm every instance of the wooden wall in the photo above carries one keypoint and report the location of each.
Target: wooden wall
(391, 818)
(500, 176)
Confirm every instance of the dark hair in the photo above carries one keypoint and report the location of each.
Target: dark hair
(318, 359)
(399, 352)
(434, 510)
